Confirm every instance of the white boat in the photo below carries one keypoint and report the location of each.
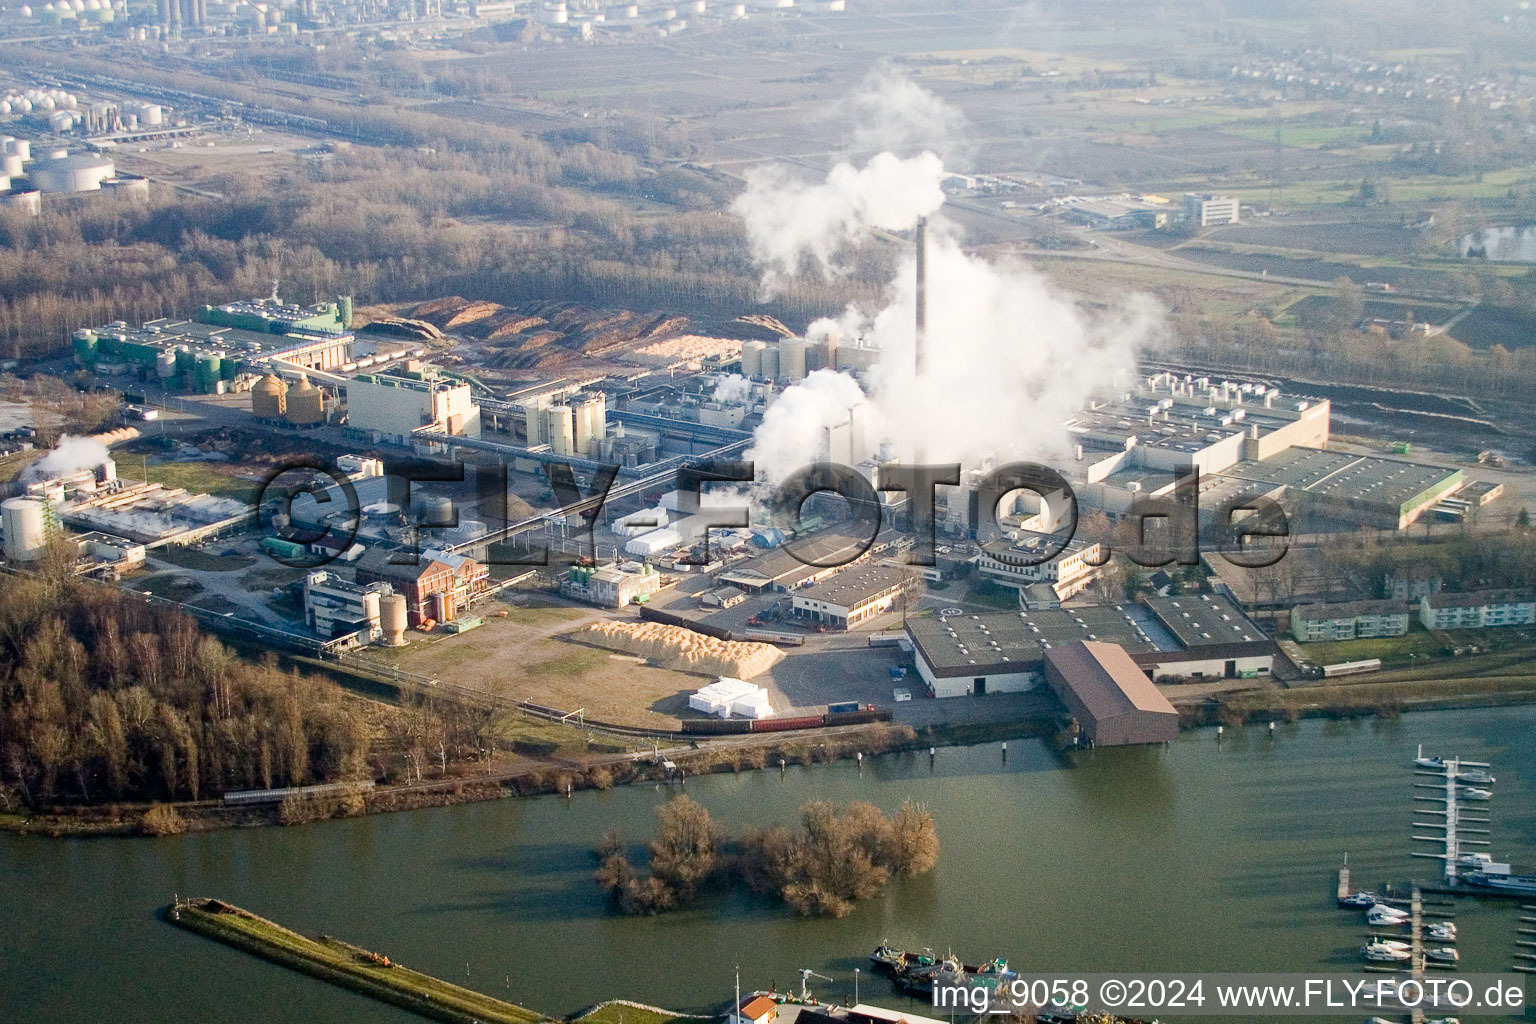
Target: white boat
(1377, 940)
(1385, 952)
(1473, 793)
(1475, 775)
(1381, 914)
(1473, 860)
(1443, 1020)
(1362, 900)
(1442, 932)
(1442, 955)
(1427, 762)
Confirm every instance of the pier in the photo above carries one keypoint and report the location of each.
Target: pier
(346, 965)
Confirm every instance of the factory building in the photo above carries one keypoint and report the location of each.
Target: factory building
(1168, 638)
(1115, 704)
(612, 586)
(1364, 489)
(1349, 620)
(207, 355)
(436, 588)
(335, 607)
(855, 596)
(1208, 210)
(1064, 575)
(392, 407)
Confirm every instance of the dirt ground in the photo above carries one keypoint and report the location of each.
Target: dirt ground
(529, 656)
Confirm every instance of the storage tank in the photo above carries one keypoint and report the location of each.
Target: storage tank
(21, 148)
(165, 363)
(10, 165)
(560, 429)
(392, 619)
(752, 358)
(792, 359)
(305, 405)
(344, 310)
(436, 511)
(770, 368)
(206, 373)
(62, 172)
(25, 521)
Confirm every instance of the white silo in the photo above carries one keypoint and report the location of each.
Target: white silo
(392, 619)
(21, 148)
(792, 359)
(771, 362)
(25, 521)
(752, 358)
(151, 115)
(560, 429)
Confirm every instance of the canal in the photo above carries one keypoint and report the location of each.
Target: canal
(1203, 855)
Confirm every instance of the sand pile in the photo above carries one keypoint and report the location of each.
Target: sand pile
(684, 650)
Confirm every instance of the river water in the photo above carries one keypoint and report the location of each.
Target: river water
(1503, 245)
(1204, 855)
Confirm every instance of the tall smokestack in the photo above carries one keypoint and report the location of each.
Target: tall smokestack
(921, 348)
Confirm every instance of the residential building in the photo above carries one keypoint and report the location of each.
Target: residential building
(754, 1009)
(1350, 620)
(1478, 610)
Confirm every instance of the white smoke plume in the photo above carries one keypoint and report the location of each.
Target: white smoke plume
(1010, 355)
(732, 388)
(891, 113)
(793, 428)
(789, 221)
(71, 454)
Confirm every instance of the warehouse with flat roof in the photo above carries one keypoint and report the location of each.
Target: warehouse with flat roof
(1364, 489)
(1115, 704)
(1193, 637)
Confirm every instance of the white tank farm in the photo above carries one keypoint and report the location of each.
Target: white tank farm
(79, 172)
(25, 521)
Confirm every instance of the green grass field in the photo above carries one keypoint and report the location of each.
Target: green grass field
(216, 478)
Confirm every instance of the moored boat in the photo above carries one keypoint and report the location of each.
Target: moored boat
(1442, 955)
(1361, 900)
(1518, 885)
(1385, 952)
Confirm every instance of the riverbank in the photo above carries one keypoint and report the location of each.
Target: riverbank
(340, 963)
(749, 752)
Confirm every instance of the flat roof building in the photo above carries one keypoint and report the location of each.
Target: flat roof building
(1349, 620)
(394, 407)
(1365, 489)
(855, 595)
(1206, 636)
(1115, 704)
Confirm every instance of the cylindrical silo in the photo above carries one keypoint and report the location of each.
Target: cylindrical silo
(25, 521)
(752, 358)
(305, 404)
(165, 363)
(792, 359)
(269, 398)
(21, 148)
(559, 427)
(436, 511)
(10, 165)
(770, 368)
(392, 619)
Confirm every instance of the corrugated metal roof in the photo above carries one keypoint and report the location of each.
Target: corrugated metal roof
(1105, 678)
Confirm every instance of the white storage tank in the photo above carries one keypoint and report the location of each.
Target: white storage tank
(792, 359)
(10, 165)
(21, 148)
(82, 172)
(25, 521)
(752, 358)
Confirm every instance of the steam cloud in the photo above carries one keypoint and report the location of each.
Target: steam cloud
(1010, 355)
(71, 454)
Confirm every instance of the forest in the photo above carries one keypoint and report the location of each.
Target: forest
(839, 856)
(104, 698)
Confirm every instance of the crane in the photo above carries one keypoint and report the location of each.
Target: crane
(805, 975)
